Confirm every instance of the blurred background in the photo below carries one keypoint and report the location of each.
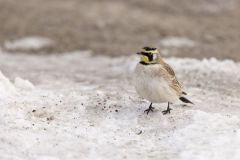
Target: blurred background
(186, 28)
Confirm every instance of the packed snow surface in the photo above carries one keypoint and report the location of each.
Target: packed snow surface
(78, 106)
(7, 89)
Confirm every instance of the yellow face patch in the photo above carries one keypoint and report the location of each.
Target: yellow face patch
(148, 55)
(144, 59)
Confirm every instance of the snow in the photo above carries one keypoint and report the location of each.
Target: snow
(172, 41)
(222, 130)
(28, 43)
(23, 84)
(85, 107)
(7, 89)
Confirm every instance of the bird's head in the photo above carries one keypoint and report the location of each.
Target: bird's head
(148, 55)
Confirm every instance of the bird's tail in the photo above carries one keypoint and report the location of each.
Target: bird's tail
(185, 100)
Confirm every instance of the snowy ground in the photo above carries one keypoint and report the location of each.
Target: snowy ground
(76, 106)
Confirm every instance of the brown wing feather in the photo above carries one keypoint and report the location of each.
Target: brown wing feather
(169, 75)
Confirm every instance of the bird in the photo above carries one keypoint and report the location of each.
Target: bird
(155, 80)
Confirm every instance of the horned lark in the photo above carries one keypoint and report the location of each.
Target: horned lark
(155, 80)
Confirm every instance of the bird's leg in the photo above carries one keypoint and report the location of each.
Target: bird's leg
(168, 110)
(150, 108)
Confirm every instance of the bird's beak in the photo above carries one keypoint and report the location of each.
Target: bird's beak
(138, 53)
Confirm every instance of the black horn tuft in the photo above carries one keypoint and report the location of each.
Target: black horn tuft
(149, 49)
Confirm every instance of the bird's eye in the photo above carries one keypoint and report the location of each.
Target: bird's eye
(150, 56)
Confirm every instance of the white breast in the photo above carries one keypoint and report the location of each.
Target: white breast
(152, 86)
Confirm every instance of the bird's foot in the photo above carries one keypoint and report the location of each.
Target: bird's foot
(149, 109)
(167, 111)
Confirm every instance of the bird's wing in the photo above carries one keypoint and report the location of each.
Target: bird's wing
(169, 75)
